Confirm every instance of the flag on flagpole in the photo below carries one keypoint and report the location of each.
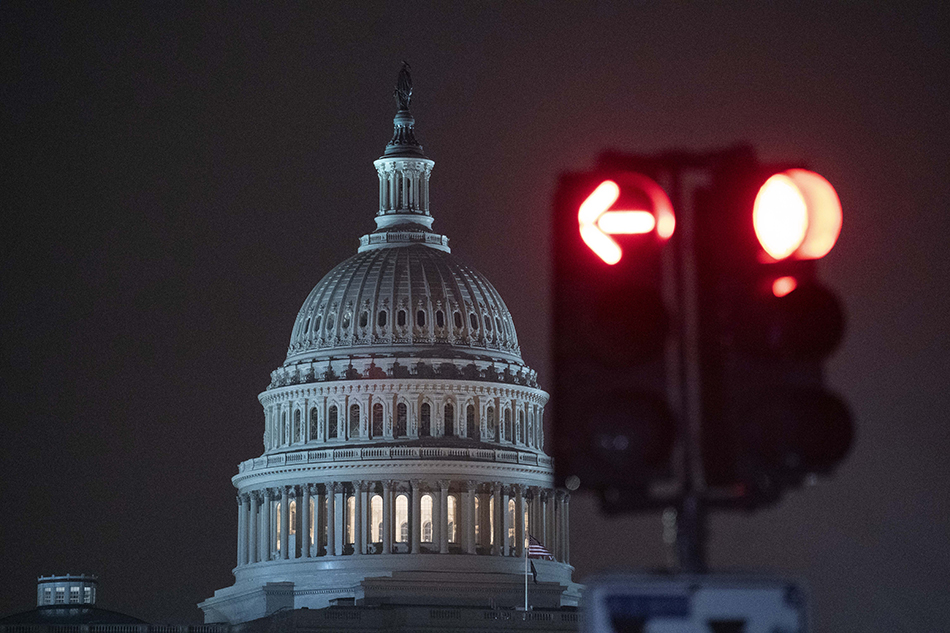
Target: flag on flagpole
(536, 550)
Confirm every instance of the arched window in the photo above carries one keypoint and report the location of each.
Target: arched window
(471, 423)
(402, 418)
(473, 320)
(458, 320)
(313, 423)
(364, 318)
(530, 436)
(306, 326)
(345, 321)
(354, 420)
(421, 318)
(425, 420)
(402, 519)
(376, 519)
(316, 323)
(511, 523)
(487, 323)
(426, 508)
(451, 516)
(351, 519)
(284, 431)
(490, 423)
(377, 430)
(448, 419)
(381, 318)
(329, 323)
(498, 325)
(297, 435)
(332, 423)
(439, 318)
(507, 425)
(522, 432)
(401, 318)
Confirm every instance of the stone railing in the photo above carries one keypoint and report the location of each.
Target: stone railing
(395, 452)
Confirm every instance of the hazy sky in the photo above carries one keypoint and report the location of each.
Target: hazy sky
(177, 178)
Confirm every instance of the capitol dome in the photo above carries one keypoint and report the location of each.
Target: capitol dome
(403, 458)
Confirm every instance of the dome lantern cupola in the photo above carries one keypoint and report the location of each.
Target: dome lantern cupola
(404, 171)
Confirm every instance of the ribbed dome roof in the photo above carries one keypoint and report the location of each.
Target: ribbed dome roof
(404, 300)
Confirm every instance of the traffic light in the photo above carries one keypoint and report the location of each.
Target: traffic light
(613, 428)
(766, 326)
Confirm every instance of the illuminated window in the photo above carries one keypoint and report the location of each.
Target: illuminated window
(402, 418)
(402, 519)
(491, 521)
(310, 520)
(354, 420)
(293, 517)
(426, 504)
(425, 420)
(376, 519)
(448, 419)
(345, 321)
(332, 422)
(511, 523)
(277, 524)
(74, 595)
(451, 515)
(47, 596)
(351, 519)
(470, 422)
(60, 595)
(377, 430)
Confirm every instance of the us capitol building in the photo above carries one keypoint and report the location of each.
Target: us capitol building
(403, 457)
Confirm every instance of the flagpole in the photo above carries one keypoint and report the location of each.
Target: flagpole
(526, 579)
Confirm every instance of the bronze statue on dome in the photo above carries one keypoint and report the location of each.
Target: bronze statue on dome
(403, 92)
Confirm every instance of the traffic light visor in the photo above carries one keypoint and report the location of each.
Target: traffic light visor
(797, 213)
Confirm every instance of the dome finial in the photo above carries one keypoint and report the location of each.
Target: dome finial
(403, 91)
(404, 141)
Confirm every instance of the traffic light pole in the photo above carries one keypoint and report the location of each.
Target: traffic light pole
(691, 510)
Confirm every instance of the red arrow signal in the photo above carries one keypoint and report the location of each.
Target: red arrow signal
(597, 223)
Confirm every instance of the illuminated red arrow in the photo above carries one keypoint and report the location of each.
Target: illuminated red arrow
(597, 223)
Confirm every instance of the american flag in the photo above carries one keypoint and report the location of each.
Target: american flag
(536, 550)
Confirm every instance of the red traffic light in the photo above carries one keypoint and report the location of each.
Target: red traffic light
(797, 214)
(597, 221)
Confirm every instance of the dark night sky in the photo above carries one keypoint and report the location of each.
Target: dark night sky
(176, 179)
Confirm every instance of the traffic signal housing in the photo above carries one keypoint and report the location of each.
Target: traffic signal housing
(613, 428)
(767, 325)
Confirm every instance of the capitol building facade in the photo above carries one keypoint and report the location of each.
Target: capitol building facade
(403, 438)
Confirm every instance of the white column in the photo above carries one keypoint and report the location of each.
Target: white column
(284, 523)
(498, 544)
(416, 521)
(444, 520)
(242, 531)
(387, 517)
(304, 535)
(331, 519)
(469, 518)
(254, 540)
(519, 521)
(358, 518)
(268, 522)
